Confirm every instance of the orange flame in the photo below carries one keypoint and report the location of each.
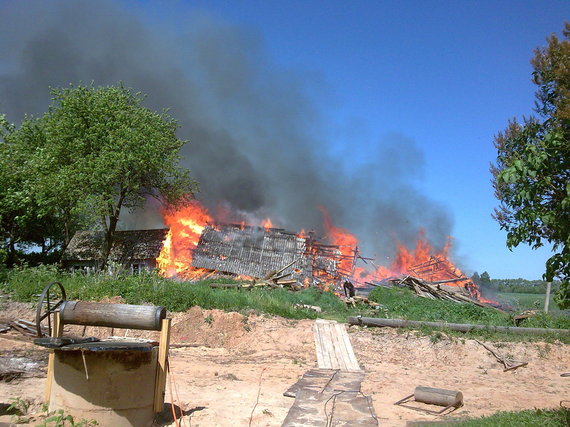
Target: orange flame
(186, 225)
(342, 238)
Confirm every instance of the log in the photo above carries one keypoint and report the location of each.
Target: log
(226, 285)
(461, 327)
(124, 316)
(438, 396)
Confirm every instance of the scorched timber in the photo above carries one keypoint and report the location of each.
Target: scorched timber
(249, 251)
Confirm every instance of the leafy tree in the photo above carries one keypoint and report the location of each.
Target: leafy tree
(97, 151)
(531, 176)
(19, 219)
(476, 279)
(485, 279)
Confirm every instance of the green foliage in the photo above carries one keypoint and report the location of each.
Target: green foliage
(60, 419)
(531, 301)
(523, 286)
(530, 418)
(401, 303)
(96, 151)
(531, 176)
(24, 283)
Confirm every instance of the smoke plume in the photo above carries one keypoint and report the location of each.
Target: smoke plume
(257, 141)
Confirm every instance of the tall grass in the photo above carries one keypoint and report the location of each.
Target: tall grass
(402, 303)
(23, 284)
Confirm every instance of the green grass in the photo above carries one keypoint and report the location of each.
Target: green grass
(24, 284)
(401, 303)
(521, 301)
(530, 418)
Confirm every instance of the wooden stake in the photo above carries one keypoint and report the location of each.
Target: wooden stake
(547, 299)
(57, 331)
(161, 366)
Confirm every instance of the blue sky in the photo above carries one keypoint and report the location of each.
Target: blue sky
(444, 76)
(448, 74)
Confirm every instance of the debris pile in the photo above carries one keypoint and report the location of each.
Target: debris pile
(268, 256)
(435, 290)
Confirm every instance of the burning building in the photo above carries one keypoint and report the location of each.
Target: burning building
(133, 250)
(195, 246)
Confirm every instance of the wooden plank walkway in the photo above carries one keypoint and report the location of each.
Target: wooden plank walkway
(327, 397)
(334, 350)
(330, 395)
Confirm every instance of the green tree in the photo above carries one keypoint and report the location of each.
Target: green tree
(531, 176)
(485, 279)
(97, 151)
(476, 279)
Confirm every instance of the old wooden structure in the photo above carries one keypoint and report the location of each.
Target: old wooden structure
(257, 252)
(133, 251)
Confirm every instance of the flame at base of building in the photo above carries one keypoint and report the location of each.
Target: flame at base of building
(196, 247)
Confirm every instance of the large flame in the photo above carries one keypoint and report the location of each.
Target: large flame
(185, 227)
(187, 224)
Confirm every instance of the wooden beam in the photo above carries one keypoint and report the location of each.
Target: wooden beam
(56, 332)
(162, 366)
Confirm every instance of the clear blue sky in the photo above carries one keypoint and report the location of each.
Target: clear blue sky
(448, 74)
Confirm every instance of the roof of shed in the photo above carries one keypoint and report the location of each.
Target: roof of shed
(128, 245)
(249, 251)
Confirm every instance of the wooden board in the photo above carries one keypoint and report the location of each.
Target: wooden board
(333, 347)
(326, 397)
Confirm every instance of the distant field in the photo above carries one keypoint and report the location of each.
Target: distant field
(528, 301)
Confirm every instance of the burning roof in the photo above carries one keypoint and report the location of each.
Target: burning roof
(250, 251)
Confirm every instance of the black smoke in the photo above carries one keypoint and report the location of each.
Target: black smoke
(257, 141)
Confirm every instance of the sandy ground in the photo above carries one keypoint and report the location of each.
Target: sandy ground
(235, 367)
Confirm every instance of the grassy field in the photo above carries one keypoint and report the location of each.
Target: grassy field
(24, 284)
(527, 301)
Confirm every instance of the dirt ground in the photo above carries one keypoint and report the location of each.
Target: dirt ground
(235, 368)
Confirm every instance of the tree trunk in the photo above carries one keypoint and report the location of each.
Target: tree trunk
(115, 211)
(109, 238)
(12, 257)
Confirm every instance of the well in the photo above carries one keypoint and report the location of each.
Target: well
(111, 383)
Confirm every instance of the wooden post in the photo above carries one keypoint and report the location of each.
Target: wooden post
(547, 299)
(161, 367)
(57, 331)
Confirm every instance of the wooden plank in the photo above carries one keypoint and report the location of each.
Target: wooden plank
(353, 362)
(330, 398)
(328, 344)
(321, 361)
(339, 347)
(325, 342)
(334, 350)
(161, 367)
(57, 331)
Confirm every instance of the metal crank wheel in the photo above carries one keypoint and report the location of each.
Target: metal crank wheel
(51, 298)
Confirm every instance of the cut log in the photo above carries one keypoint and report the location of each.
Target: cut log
(438, 396)
(124, 316)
